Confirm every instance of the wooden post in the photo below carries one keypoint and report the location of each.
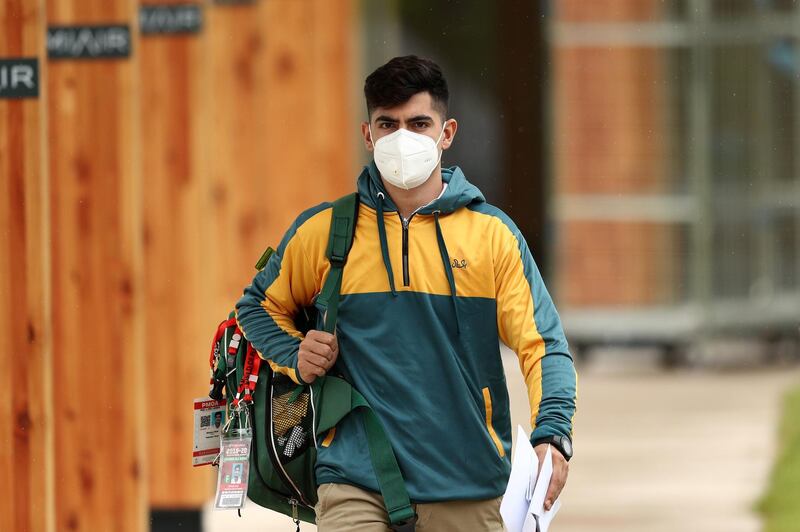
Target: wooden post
(244, 126)
(235, 133)
(98, 356)
(25, 430)
(281, 132)
(173, 105)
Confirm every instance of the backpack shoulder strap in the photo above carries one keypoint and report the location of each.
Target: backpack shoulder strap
(340, 240)
(343, 228)
(337, 399)
(337, 396)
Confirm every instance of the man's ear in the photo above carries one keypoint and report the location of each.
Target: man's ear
(450, 128)
(367, 137)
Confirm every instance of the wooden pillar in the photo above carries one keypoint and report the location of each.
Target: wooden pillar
(98, 355)
(25, 459)
(280, 133)
(173, 173)
(244, 126)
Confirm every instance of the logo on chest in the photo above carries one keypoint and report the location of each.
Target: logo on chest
(459, 264)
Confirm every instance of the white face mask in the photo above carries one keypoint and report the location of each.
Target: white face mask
(406, 159)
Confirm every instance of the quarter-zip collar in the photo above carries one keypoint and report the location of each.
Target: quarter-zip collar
(407, 220)
(456, 192)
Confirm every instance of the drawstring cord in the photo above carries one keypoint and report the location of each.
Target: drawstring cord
(384, 246)
(448, 270)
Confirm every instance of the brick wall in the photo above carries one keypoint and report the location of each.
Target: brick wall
(611, 139)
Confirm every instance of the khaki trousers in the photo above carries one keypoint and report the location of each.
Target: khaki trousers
(346, 508)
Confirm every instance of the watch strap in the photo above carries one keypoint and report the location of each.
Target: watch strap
(558, 442)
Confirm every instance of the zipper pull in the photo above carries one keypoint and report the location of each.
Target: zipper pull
(293, 502)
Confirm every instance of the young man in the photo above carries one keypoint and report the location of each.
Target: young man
(436, 276)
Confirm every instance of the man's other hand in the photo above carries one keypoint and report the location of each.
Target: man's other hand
(317, 354)
(560, 472)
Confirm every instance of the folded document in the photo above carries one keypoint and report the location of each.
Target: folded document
(523, 503)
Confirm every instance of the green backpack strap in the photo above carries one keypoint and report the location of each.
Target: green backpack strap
(337, 397)
(340, 240)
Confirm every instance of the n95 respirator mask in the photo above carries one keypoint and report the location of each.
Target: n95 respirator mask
(406, 159)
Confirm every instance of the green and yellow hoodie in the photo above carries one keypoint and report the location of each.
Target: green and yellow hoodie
(424, 303)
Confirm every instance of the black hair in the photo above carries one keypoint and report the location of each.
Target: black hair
(401, 78)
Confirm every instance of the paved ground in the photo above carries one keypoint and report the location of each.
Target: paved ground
(654, 451)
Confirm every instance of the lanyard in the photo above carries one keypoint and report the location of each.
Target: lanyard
(252, 365)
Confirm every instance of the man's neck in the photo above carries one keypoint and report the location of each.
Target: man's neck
(408, 201)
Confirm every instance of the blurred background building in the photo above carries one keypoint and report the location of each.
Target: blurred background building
(676, 179)
(646, 148)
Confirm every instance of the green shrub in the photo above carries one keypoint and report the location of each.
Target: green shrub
(780, 505)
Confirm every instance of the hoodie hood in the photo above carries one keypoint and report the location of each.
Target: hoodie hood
(459, 192)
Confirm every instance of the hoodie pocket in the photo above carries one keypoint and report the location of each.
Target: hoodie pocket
(487, 403)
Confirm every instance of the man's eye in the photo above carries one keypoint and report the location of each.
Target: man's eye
(385, 125)
(421, 125)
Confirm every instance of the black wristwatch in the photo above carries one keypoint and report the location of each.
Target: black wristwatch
(562, 443)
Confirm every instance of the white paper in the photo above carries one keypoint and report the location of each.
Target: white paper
(533, 474)
(542, 483)
(530, 524)
(534, 523)
(516, 500)
(547, 517)
(522, 508)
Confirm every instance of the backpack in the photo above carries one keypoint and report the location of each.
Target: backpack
(286, 418)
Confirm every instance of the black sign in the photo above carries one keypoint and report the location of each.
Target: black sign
(88, 42)
(19, 78)
(177, 18)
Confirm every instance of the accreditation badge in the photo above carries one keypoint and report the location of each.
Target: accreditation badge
(209, 418)
(234, 469)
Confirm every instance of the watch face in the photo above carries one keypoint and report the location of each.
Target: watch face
(567, 445)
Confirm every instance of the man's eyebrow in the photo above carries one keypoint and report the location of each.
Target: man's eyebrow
(420, 118)
(384, 118)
